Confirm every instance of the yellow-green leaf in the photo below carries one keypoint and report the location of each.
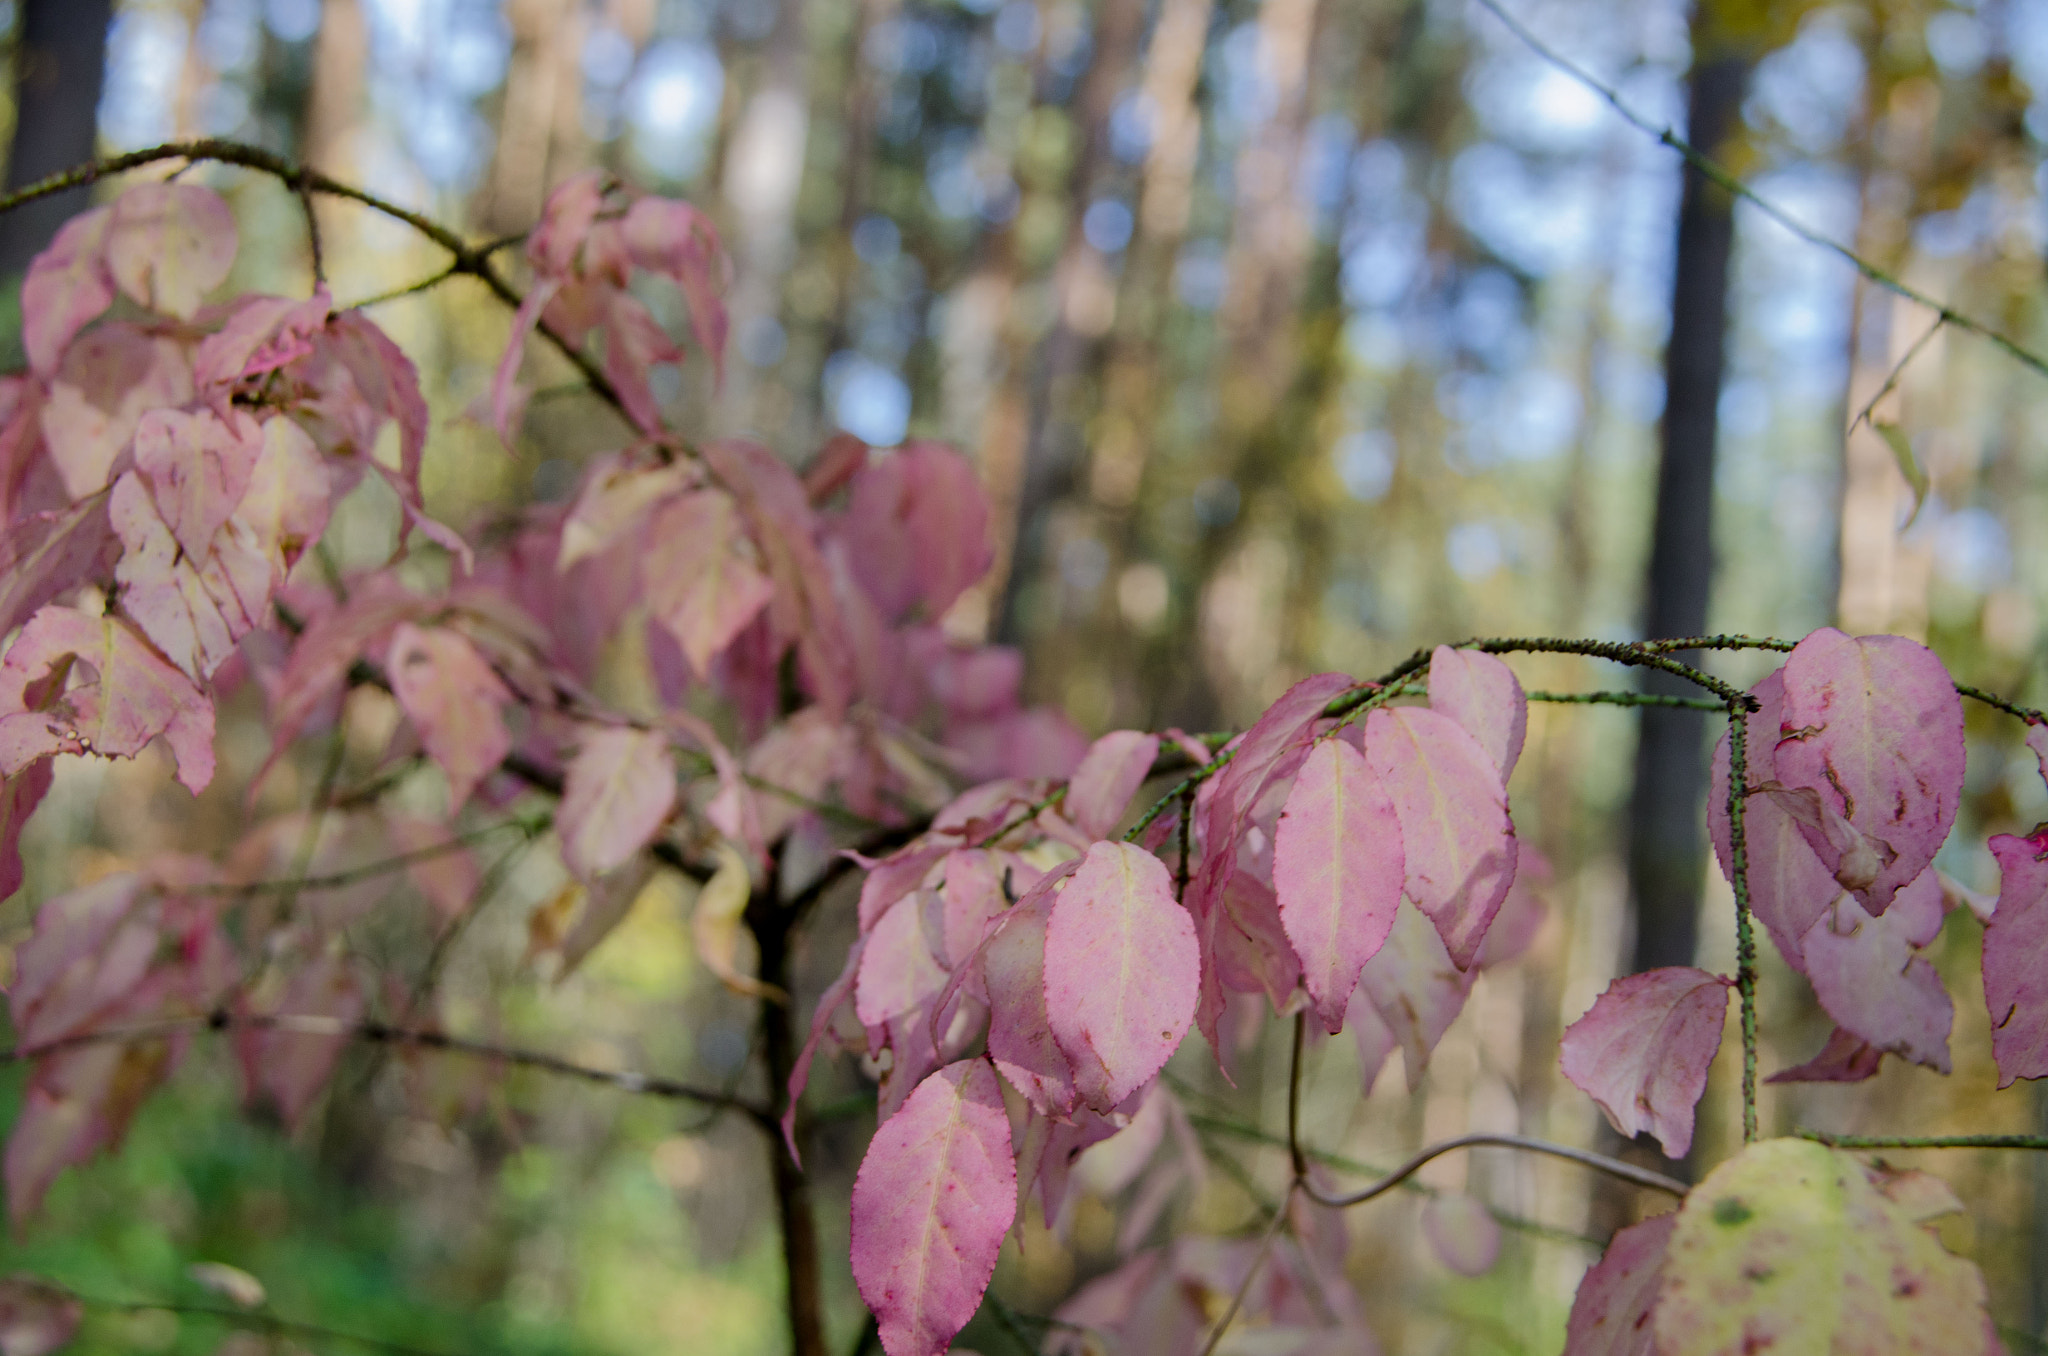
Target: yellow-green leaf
(1792, 1247)
(1909, 465)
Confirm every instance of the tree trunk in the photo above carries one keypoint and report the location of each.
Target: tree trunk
(1666, 854)
(60, 67)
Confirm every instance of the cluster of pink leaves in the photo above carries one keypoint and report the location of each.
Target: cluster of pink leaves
(1021, 978)
(166, 468)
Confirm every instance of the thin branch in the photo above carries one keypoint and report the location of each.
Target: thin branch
(1251, 1273)
(378, 1033)
(257, 1320)
(1924, 1141)
(528, 828)
(1728, 183)
(1613, 1167)
(1891, 381)
(1745, 932)
(472, 260)
(432, 280)
(1992, 699)
(1627, 699)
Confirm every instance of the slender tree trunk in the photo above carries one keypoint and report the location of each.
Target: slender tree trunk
(60, 68)
(1666, 854)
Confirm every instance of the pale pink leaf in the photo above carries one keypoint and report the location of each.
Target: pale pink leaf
(634, 344)
(616, 795)
(1456, 838)
(698, 575)
(1789, 885)
(78, 1102)
(453, 699)
(1407, 997)
(88, 953)
(2016, 959)
(444, 872)
(46, 555)
(1873, 724)
(198, 468)
(1611, 1315)
(1020, 1035)
(917, 529)
(169, 245)
(289, 1063)
(892, 877)
(898, 972)
(1846, 1058)
(19, 796)
(37, 1317)
(1249, 950)
(111, 375)
(134, 696)
(614, 502)
(1337, 869)
(830, 1003)
(194, 607)
(556, 241)
(1121, 971)
(1111, 772)
(67, 287)
(974, 894)
(1870, 978)
(1643, 1050)
(285, 508)
(1483, 695)
(1462, 1233)
(262, 334)
(676, 240)
(330, 645)
(931, 1204)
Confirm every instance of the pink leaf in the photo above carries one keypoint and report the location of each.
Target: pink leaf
(933, 1199)
(894, 876)
(1483, 695)
(37, 1318)
(452, 698)
(2016, 958)
(78, 1103)
(194, 607)
(448, 879)
(1611, 1315)
(829, 1004)
(169, 245)
(673, 238)
(1407, 997)
(1456, 838)
(617, 496)
(698, 574)
(565, 221)
(1789, 885)
(1020, 1034)
(634, 344)
(1870, 979)
(46, 555)
(1337, 868)
(67, 287)
(1111, 772)
(1874, 726)
(917, 529)
(1121, 971)
(110, 377)
(198, 468)
(289, 1066)
(262, 335)
(1250, 952)
(1462, 1234)
(974, 895)
(1643, 1049)
(616, 795)
(19, 797)
(1846, 1058)
(134, 697)
(898, 972)
(330, 644)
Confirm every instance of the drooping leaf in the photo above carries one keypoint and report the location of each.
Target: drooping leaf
(1121, 972)
(67, 287)
(830, 1003)
(607, 900)
(616, 795)
(2016, 959)
(1456, 838)
(195, 608)
(133, 697)
(1612, 1314)
(1642, 1051)
(1338, 871)
(1483, 695)
(453, 699)
(1462, 1233)
(1113, 769)
(169, 245)
(933, 1199)
(717, 920)
(78, 1103)
(1846, 1058)
(616, 498)
(1789, 886)
(1020, 1035)
(634, 344)
(1901, 447)
(19, 796)
(1874, 726)
(198, 468)
(698, 574)
(1407, 997)
(331, 644)
(262, 334)
(46, 555)
(1870, 978)
(672, 238)
(1789, 1246)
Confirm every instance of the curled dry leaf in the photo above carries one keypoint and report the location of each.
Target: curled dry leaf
(718, 919)
(1643, 1049)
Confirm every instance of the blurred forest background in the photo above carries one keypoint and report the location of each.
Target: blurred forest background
(1288, 335)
